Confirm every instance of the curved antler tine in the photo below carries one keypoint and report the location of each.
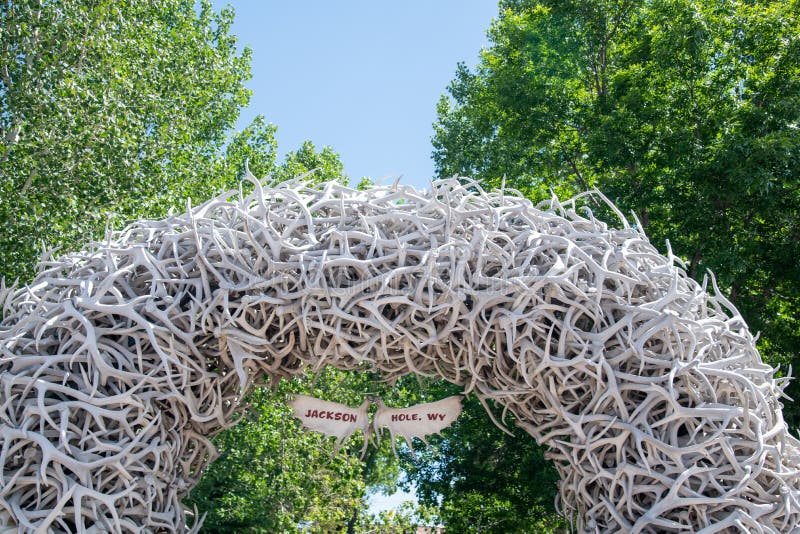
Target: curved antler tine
(121, 361)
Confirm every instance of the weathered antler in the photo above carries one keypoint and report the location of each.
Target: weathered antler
(120, 362)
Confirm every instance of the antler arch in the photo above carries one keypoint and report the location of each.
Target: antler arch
(121, 361)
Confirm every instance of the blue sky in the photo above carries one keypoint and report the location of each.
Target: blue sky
(361, 77)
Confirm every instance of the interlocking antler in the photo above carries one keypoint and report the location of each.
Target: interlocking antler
(120, 362)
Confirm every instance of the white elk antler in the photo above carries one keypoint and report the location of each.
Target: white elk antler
(120, 362)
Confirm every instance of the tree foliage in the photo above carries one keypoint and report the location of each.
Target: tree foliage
(111, 111)
(481, 479)
(272, 476)
(684, 113)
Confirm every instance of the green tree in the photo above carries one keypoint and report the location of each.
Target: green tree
(323, 166)
(481, 479)
(402, 520)
(684, 113)
(272, 476)
(110, 111)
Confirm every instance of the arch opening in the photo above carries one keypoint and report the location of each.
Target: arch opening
(121, 361)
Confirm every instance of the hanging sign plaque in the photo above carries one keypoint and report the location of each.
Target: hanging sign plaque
(342, 421)
(331, 418)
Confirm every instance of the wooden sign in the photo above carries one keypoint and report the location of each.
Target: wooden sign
(417, 421)
(331, 418)
(342, 421)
